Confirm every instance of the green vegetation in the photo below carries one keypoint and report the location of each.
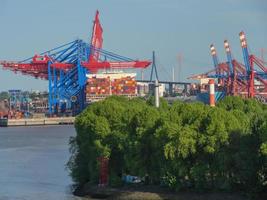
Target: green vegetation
(180, 146)
(4, 96)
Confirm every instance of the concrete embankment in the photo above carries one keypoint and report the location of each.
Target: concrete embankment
(37, 121)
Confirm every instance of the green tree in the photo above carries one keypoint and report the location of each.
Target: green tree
(183, 145)
(4, 96)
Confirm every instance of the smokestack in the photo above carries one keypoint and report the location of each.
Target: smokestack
(212, 92)
(156, 93)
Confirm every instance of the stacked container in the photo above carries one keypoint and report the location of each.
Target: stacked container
(124, 86)
(100, 86)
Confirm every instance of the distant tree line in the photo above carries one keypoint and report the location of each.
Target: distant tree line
(179, 146)
(4, 96)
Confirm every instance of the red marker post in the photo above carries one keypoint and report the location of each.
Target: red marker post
(212, 92)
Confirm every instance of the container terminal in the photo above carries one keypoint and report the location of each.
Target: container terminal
(80, 73)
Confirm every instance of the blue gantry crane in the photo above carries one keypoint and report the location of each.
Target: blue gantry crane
(66, 66)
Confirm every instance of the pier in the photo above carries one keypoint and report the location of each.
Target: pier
(37, 121)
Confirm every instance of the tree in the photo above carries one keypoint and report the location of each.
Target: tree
(183, 145)
(4, 96)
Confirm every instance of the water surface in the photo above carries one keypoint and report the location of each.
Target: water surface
(32, 163)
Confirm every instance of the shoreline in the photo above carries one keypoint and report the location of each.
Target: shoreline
(131, 192)
(37, 122)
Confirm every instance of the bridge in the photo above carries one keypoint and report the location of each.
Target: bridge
(171, 84)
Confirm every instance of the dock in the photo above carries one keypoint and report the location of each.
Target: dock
(37, 121)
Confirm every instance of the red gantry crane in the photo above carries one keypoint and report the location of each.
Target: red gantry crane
(66, 66)
(247, 80)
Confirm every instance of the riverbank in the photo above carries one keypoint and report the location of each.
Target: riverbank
(37, 121)
(151, 193)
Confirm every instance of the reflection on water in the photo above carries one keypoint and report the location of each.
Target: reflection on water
(32, 163)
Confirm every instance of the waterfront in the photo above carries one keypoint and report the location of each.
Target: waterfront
(32, 163)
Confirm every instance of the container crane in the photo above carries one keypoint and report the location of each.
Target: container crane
(66, 66)
(249, 67)
(95, 62)
(214, 58)
(247, 80)
(231, 74)
(256, 70)
(221, 69)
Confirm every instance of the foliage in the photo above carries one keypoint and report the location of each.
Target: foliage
(183, 145)
(4, 96)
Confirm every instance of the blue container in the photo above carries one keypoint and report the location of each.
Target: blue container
(205, 97)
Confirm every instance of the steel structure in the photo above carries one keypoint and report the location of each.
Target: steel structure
(247, 80)
(66, 66)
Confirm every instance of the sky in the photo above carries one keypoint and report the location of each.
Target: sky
(132, 28)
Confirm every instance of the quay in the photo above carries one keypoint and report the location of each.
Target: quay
(37, 121)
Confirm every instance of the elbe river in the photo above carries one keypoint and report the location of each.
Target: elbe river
(32, 163)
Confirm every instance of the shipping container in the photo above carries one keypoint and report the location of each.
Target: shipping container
(100, 86)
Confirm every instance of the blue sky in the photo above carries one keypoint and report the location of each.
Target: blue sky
(133, 28)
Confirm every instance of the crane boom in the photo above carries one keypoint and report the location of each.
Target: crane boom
(95, 66)
(248, 64)
(96, 39)
(229, 57)
(214, 56)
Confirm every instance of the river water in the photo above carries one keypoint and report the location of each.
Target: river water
(32, 163)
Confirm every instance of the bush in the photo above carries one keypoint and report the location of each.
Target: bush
(186, 145)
